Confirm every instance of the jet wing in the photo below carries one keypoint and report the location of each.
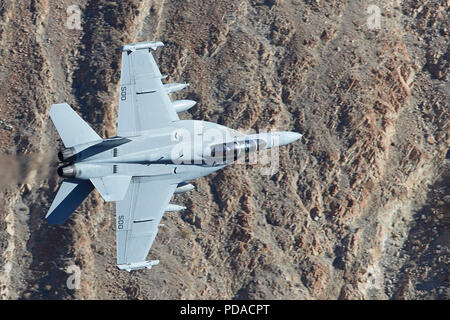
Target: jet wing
(144, 103)
(137, 221)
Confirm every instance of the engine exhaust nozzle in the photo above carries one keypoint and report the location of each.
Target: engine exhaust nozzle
(67, 172)
(66, 155)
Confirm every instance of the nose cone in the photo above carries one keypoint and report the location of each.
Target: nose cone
(288, 137)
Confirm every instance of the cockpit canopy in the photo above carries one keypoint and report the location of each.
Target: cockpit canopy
(233, 150)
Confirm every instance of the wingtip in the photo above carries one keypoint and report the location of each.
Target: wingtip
(141, 45)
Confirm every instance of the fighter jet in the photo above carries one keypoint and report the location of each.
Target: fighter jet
(153, 156)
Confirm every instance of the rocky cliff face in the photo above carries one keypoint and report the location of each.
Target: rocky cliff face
(359, 209)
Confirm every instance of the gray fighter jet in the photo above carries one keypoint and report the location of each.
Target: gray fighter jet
(152, 157)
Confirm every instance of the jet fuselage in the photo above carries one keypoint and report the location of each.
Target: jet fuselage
(185, 150)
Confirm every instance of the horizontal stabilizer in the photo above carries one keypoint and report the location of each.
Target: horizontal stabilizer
(112, 188)
(138, 265)
(71, 128)
(70, 195)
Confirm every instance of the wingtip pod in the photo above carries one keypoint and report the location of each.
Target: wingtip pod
(138, 265)
(142, 45)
